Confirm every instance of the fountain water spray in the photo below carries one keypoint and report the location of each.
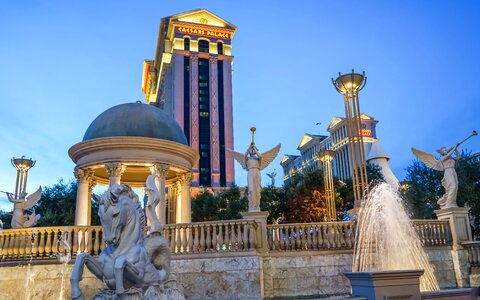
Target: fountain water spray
(64, 257)
(386, 239)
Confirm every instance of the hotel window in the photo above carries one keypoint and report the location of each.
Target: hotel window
(203, 46)
(186, 44)
(204, 114)
(220, 48)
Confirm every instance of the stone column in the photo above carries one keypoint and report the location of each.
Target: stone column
(214, 123)
(84, 202)
(461, 232)
(162, 170)
(91, 185)
(115, 171)
(178, 202)
(186, 202)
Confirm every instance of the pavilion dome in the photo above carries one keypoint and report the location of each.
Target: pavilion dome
(135, 120)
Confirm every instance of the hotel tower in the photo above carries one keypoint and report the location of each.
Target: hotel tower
(191, 78)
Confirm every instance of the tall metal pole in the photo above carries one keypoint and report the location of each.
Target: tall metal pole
(326, 157)
(349, 85)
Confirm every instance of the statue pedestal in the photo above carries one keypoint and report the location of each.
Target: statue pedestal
(461, 232)
(459, 223)
(260, 217)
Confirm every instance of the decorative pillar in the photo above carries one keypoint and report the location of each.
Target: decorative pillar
(186, 202)
(162, 170)
(115, 171)
(228, 115)
(91, 185)
(194, 127)
(83, 203)
(214, 123)
(178, 202)
(179, 77)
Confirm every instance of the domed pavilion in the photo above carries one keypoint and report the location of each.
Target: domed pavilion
(127, 143)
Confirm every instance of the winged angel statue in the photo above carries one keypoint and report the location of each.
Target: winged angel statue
(253, 161)
(20, 219)
(447, 164)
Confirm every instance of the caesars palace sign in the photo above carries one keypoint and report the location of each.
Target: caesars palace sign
(189, 29)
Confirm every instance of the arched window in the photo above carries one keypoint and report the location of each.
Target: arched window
(186, 44)
(220, 48)
(203, 46)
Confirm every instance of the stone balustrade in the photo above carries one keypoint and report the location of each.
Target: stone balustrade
(311, 236)
(433, 232)
(473, 249)
(49, 242)
(41, 243)
(217, 236)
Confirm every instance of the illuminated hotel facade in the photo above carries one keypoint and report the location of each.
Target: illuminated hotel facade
(310, 145)
(191, 79)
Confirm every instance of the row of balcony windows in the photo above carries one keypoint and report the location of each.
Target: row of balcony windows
(203, 46)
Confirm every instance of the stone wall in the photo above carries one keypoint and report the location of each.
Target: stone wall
(229, 276)
(301, 273)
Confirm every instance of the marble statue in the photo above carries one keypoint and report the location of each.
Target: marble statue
(446, 163)
(272, 176)
(253, 161)
(134, 265)
(20, 219)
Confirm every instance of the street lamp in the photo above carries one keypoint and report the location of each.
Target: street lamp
(22, 165)
(349, 85)
(326, 157)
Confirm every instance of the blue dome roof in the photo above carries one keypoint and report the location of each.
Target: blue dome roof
(135, 120)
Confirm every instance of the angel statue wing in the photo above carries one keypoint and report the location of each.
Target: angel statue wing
(239, 157)
(32, 199)
(269, 156)
(428, 159)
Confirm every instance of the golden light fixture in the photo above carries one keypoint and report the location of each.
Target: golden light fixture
(22, 165)
(349, 85)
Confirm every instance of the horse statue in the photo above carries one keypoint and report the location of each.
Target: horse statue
(133, 263)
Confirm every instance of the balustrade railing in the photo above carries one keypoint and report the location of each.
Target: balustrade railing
(48, 242)
(217, 236)
(210, 237)
(433, 232)
(311, 236)
(473, 249)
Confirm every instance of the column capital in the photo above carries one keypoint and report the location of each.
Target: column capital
(161, 169)
(91, 184)
(193, 57)
(213, 59)
(185, 178)
(115, 169)
(83, 175)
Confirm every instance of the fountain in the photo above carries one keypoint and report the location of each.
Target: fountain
(64, 257)
(386, 239)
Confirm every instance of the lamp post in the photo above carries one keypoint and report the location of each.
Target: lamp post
(349, 85)
(326, 157)
(22, 165)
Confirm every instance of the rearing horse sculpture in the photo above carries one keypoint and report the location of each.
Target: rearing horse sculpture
(131, 259)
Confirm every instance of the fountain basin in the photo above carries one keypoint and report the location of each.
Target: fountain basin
(397, 284)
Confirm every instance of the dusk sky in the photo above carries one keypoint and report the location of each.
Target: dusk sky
(62, 63)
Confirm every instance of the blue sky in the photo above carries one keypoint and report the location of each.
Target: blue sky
(62, 63)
